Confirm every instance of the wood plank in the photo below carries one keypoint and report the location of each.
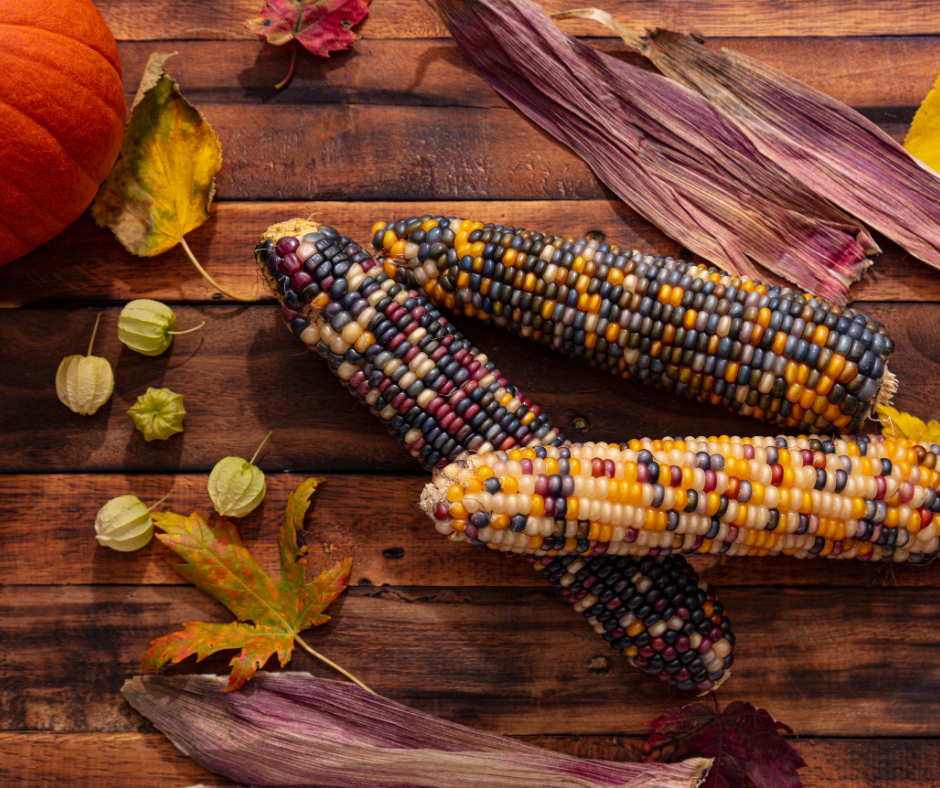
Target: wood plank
(244, 355)
(847, 763)
(510, 660)
(149, 20)
(90, 760)
(374, 519)
(882, 72)
(149, 760)
(367, 152)
(87, 264)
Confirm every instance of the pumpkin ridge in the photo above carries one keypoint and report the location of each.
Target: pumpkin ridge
(41, 31)
(27, 197)
(48, 133)
(62, 110)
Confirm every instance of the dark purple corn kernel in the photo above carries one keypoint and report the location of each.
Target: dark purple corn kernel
(286, 245)
(290, 264)
(300, 280)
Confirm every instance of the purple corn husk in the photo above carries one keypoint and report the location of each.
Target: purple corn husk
(821, 142)
(662, 148)
(293, 730)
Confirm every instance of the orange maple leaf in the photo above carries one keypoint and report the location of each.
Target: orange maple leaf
(270, 615)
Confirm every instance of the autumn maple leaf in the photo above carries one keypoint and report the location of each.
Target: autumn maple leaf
(270, 615)
(322, 26)
(743, 740)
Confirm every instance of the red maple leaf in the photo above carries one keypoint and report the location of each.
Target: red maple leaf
(270, 615)
(743, 740)
(322, 26)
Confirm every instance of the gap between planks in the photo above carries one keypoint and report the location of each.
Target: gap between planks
(149, 760)
(510, 660)
(89, 265)
(373, 519)
(222, 19)
(876, 73)
(243, 375)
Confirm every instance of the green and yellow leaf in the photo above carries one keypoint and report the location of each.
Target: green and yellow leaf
(164, 181)
(162, 185)
(270, 615)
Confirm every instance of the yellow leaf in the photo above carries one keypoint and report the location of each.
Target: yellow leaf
(898, 424)
(933, 432)
(923, 140)
(161, 187)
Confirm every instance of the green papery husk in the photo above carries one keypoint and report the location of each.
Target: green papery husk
(293, 729)
(663, 149)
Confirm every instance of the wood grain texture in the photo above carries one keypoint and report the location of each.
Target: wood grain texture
(87, 264)
(510, 660)
(48, 538)
(868, 73)
(148, 760)
(369, 151)
(149, 20)
(243, 374)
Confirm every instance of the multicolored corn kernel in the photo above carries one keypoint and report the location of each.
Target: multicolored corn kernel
(865, 497)
(784, 357)
(393, 350)
(654, 611)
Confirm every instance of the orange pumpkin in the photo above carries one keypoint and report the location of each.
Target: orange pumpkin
(61, 117)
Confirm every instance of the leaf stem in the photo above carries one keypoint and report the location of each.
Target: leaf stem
(93, 333)
(332, 664)
(161, 500)
(188, 330)
(260, 447)
(212, 281)
(290, 73)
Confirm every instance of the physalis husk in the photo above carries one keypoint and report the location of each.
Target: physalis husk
(124, 523)
(84, 383)
(158, 414)
(147, 326)
(236, 486)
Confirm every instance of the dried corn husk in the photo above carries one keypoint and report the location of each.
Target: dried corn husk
(293, 729)
(662, 148)
(827, 146)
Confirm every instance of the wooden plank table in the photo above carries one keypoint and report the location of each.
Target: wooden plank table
(843, 652)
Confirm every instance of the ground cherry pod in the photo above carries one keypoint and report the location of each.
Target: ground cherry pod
(236, 486)
(124, 523)
(84, 383)
(146, 326)
(158, 414)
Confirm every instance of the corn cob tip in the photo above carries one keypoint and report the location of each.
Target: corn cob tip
(889, 387)
(655, 611)
(393, 350)
(291, 227)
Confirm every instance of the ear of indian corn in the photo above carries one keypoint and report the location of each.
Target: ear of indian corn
(867, 497)
(654, 611)
(326, 284)
(783, 357)
(393, 350)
